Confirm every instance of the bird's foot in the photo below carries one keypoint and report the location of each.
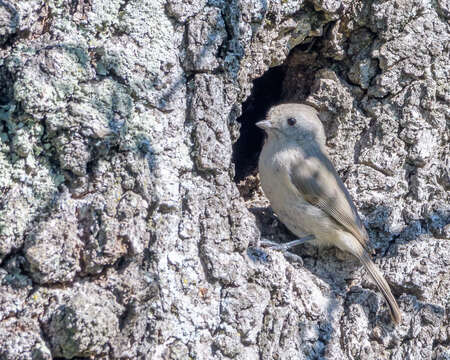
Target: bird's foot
(286, 246)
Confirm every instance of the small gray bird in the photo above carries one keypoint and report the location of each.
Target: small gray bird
(306, 192)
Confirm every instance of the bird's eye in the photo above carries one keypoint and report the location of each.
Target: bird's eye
(291, 121)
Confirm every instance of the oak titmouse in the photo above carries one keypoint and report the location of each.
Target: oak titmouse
(306, 192)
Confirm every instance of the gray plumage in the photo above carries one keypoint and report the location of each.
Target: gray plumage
(305, 190)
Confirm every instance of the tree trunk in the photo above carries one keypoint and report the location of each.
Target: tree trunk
(130, 206)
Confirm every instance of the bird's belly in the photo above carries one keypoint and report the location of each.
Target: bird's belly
(299, 216)
(302, 219)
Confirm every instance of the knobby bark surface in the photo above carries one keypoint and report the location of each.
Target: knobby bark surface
(130, 207)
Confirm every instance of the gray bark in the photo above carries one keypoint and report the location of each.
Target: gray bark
(123, 230)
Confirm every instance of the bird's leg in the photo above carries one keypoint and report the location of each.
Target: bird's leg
(285, 246)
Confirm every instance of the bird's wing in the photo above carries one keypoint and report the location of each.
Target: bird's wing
(316, 179)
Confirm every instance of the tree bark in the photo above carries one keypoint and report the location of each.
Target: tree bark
(130, 206)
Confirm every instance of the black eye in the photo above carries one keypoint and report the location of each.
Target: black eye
(291, 121)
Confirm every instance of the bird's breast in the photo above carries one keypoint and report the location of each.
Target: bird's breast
(274, 164)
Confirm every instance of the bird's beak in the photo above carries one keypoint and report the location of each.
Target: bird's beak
(265, 125)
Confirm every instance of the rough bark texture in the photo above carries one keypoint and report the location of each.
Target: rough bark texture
(124, 232)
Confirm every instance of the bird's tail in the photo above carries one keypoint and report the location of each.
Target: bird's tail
(376, 275)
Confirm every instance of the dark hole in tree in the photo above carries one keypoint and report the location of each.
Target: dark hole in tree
(6, 91)
(266, 92)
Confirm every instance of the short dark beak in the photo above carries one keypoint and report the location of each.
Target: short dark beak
(265, 125)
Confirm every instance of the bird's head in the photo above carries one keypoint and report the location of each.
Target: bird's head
(297, 122)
